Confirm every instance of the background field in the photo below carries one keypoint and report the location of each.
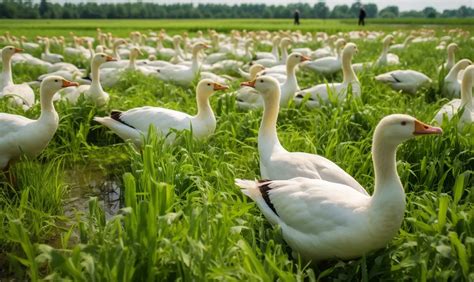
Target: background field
(185, 217)
(123, 27)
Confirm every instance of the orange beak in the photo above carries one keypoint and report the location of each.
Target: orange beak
(305, 58)
(67, 83)
(206, 46)
(249, 83)
(18, 50)
(424, 129)
(218, 86)
(110, 59)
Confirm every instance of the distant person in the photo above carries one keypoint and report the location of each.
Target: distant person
(362, 15)
(296, 15)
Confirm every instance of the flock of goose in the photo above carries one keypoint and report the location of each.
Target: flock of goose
(323, 211)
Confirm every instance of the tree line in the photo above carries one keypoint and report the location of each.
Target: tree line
(27, 9)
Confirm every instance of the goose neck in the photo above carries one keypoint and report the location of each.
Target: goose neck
(131, 63)
(275, 51)
(7, 71)
(284, 53)
(267, 134)
(195, 61)
(116, 52)
(451, 58)
(204, 110)
(48, 112)
(466, 89)
(347, 70)
(46, 47)
(96, 76)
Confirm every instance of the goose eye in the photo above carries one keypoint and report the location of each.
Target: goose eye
(56, 80)
(208, 84)
(103, 56)
(403, 123)
(261, 80)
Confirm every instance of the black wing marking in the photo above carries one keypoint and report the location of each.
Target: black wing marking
(394, 77)
(264, 187)
(116, 116)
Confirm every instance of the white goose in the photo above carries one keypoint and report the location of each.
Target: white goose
(94, 92)
(48, 56)
(276, 162)
(320, 92)
(22, 135)
(118, 62)
(454, 106)
(452, 48)
(384, 59)
(327, 65)
(408, 81)
(183, 75)
(253, 70)
(288, 88)
(452, 86)
(134, 123)
(402, 46)
(321, 219)
(20, 94)
(246, 90)
(111, 76)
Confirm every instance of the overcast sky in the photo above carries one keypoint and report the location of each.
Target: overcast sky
(404, 5)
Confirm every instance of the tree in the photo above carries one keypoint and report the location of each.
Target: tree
(43, 8)
(320, 10)
(371, 10)
(430, 12)
(340, 11)
(389, 12)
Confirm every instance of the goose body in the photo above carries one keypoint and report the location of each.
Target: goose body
(322, 219)
(288, 88)
(327, 65)
(452, 84)
(19, 94)
(276, 162)
(321, 92)
(48, 56)
(19, 134)
(405, 80)
(134, 123)
(465, 103)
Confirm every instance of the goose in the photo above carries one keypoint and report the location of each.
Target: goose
(384, 59)
(269, 62)
(408, 81)
(183, 75)
(111, 76)
(275, 55)
(276, 162)
(21, 94)
(327, 65)
(456, 105)
(253, 70)
(320, 92)
(322, 219)
(28, 46)
(118, 62)
(452, 48)
(94, 92)
(48, 56)
(20, 135)
(452, 85)
(402, 46)
(288, 88)
(253, 73)
(134, 123)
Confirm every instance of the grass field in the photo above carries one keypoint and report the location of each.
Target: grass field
(91, 208)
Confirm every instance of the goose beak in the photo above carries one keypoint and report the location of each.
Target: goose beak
(425, 129)
(305, 58)
(249, 83)
(218, 86)
(67, 83)
(18, 50)
(206, 46)
(110, 59)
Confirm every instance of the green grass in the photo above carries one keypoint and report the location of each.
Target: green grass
(182, 216)
(31, 28)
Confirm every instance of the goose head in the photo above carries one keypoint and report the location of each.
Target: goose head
(267, 86)
(134, 52)
(255, 69)
(101, 58)
(453, 47)
(52, 84)
(199, 46)
(207, 87)
(350, 49)
(119, 42)
(285, 42)
(295, 58)
(388, 40)
(341, 42)
(9, 51)
(397, 128)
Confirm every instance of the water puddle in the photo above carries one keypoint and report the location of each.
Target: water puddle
(85, 182)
